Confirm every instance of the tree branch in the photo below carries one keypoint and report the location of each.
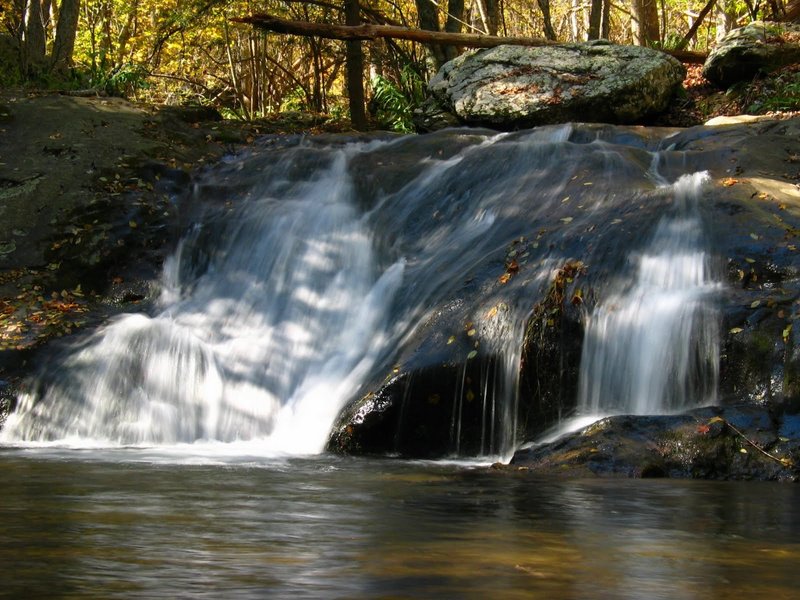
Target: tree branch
(373, 32)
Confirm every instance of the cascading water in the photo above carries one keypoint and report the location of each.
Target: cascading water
(652, 346)
(287, 313)
(351, 262)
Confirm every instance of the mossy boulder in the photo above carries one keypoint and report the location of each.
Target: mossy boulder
(757, 48)
(512, 87)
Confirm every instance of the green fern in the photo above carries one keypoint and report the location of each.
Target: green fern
(395, 102)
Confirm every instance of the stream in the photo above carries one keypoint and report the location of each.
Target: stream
(184, 451)
(144, 524)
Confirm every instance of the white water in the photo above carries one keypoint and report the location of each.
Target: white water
(310, 291)
(652, 346)
(264, 348)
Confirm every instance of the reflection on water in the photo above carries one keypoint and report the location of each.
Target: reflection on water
(76, 525)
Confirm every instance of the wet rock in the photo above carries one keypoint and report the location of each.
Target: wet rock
(512, 87)
(551, 352)
(742, 442)
(759, 47)
(751, 211)
(427, 413)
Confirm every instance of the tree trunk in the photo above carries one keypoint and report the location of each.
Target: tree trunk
(66, 30)
(595, 20)
(792, 11)
(126, 33)
(695, 26)
(490, 13)
(106, 40)
(34, 36)
(429, 21)
(455, 15)
(726, 18)
(549, 32)
(355, 69)
(574, 27)
(644, 23)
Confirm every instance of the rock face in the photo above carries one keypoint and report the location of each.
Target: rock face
(743, 442)
(759, 47)
(512, 87)
(568, 238)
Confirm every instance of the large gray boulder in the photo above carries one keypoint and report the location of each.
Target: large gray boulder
(759, 47)
(512, 87)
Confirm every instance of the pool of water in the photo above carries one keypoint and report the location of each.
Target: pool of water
(134, 523)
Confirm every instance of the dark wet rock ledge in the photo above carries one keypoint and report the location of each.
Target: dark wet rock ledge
(740, 443)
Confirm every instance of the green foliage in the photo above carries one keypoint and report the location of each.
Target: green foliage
(295, 101)
(782, 93)
(671, 41)
(395, 103)
(10, 74)
(123, 80)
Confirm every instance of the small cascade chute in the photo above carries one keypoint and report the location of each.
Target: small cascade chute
(652, 346)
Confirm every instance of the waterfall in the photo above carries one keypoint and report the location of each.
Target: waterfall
(651, 347)
(267, 343)
(343, 268)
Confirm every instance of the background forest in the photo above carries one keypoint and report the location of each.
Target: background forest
(189, 51)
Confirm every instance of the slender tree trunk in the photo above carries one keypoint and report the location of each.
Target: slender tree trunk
(429, 20)
(792, 11)
(490, 10)
(127, 32)
(106, 41)
(726, 17)
(573, 20)
(66, 29)
(455, 15)
(595, 20)
(235, 83)
(605, 27)
(695, 26)
(355, 69)
(46, 8)
(34, 36)
(549, 32)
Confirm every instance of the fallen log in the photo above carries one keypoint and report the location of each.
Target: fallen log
(369, 31)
